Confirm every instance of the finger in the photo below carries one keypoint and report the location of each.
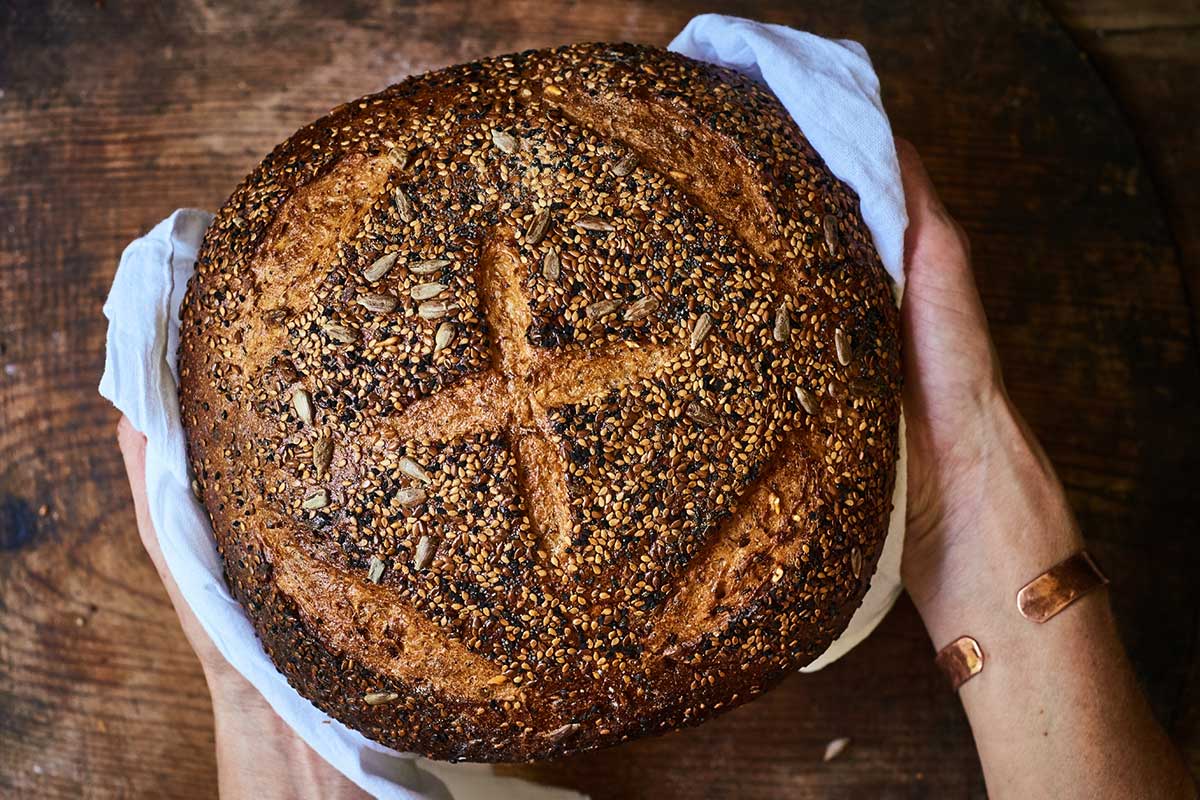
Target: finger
(921, 197)
(942, 312)
(933, 238)
(937, 257)
(133, 449)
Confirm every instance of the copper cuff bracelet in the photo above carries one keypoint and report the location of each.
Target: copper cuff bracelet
(1039, 600)
(960, 661)
(1058, 587)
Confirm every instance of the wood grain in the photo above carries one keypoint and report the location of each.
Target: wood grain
(114, 114)
(1149, 54)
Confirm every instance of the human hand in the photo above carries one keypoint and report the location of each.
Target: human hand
(978, 480)
(1056, 711)
(257, 753)
(221, 676)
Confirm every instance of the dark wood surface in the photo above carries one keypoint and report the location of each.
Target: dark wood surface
(113, 114)
(1148, 52)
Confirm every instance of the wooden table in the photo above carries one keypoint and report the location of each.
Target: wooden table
(114, 114)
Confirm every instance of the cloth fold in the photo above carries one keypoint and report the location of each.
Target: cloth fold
(830, 89)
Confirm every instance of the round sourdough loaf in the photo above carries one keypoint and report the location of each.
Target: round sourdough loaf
(543, 402)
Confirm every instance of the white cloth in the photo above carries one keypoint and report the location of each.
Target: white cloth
(831, 90)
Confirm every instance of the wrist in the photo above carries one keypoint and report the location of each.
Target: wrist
(1000, 519)
(231, 692)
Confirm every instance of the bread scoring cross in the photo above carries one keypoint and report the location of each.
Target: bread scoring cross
(517, 392)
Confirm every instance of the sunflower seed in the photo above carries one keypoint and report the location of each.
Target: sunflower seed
(427, 291)
(318, 499)
(640, 309)
(601, 308)
(410, 497)
(808, 401)
(562, 732)
(783, 324)
(590, 222)
(404, 206)
(443, 337)
(379, 698)
(856, 561)
(830, 226)
(302, 402)
(842, 344)
(398, 157)
(239, 221)
(433, 309)
(424, 553)
(504, 140)
(414, 470)
(382, 266)
(538, 226)
(428, 265)
(701, 413)
(322, 454)
(700, 330)
(625, 166)
(835, 748)
(339, 333)
(377, 302)
(375, 569)
(550, 90)
(551, 266)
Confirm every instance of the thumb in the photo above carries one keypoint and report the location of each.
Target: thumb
(133, 449)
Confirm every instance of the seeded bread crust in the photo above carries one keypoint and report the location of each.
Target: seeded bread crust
(543, 402)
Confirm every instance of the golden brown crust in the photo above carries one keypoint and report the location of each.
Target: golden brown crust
(543, 402)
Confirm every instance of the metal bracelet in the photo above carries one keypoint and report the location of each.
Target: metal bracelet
(1058, 587)
(960, 660)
